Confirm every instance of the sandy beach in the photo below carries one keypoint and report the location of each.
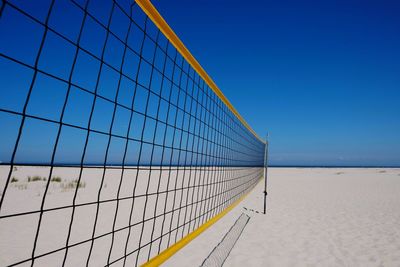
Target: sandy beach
(139, 133)
(315, 217)
(118, 225)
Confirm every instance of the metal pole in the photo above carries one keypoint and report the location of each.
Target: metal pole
(265, 174)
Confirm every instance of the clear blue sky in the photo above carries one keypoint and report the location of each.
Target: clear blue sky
(323, 77)
(111, 84)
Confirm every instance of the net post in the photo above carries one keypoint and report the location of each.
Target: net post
(265, 173)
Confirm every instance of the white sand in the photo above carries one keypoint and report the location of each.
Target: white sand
(315, 217)
(24, 196)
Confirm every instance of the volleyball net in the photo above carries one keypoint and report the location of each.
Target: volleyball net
(116, 147)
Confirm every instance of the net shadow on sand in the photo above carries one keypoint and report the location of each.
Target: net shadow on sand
(221, 252)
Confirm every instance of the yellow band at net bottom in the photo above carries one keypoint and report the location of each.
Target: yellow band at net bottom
(167, 253)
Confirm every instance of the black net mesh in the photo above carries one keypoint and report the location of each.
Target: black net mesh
(112, 147)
